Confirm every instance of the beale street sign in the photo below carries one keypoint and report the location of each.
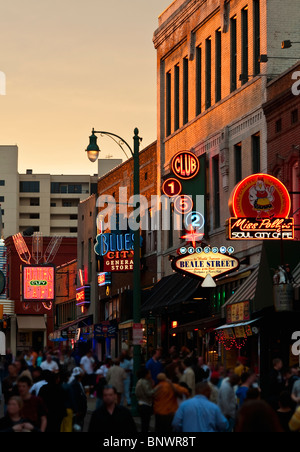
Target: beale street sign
(260, 205)
(199, 266)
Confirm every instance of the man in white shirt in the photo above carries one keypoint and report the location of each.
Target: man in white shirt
(49, 364)
(87, 364)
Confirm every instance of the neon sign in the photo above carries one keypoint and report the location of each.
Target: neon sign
(38, 283)
(83, 295)
(171, 187)
(260, 205)
(185, 165)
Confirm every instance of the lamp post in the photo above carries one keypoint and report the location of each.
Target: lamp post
(93, 153)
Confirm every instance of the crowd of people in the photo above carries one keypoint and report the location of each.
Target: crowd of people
(178, 391)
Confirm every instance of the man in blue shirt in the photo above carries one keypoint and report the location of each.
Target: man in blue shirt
(199, 414)
(154, 365)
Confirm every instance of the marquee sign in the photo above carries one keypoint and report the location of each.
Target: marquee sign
(260, 205)
(38, 283)
(199, 266)
(185, 165)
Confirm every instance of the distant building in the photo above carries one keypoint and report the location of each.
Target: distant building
(42, 202)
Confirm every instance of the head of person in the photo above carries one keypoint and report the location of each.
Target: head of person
(48, 357)
(257, 416)
(24, 385)
(109, 395)
(234, 379)
(187, 362)
(12, 370)
(14, 406)
(248, 378)
(277, 364)
(156, 354)
(203, 389)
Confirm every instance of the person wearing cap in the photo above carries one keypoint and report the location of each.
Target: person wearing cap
(165, 402)
(79, 399)
(100, 383)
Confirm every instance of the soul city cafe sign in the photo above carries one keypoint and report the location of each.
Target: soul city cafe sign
(260, 206)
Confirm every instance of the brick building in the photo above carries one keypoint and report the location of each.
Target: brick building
(111, 304)
(282, 111)
(211, 88)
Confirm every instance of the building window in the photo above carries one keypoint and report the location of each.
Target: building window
(2, 183)
(198, 80)
(256, 36)
(29, 187)
(256, 153)
(1, 198)
(278, 125)
(34, 201)
(245, 44)
(73, 230)
(238, 162)
(208, 73)
(185, 90)
(218, 65)
(168, 104)
(34, 216)
(216, 188)
(233, 55)
(294, 116)
(176, 97)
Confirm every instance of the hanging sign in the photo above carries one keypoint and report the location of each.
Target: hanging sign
(83, 295)
(260, 205)
(171, 187)
(200, 265)
(116, 250)
(185, 165)
(38, 283)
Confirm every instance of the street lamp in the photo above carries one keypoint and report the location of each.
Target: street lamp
(93, 153)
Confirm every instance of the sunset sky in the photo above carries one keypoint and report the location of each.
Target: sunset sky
(71, 66)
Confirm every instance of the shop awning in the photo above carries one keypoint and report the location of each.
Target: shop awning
(171, 290)
(245, 292)
(296, 276)
(235, 325)
(201, 324)
(31, 322)
(74, 323)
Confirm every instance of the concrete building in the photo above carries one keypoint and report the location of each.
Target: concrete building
(42, 202)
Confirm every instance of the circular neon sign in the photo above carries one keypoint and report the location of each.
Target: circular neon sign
(185, 165)
(260, 195)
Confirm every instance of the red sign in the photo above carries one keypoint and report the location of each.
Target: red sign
(185, 165)
(38, 283)
(83, 295)
(260, 195)
(183, 204)
(118, 261)
(260, 204)
(172, 187)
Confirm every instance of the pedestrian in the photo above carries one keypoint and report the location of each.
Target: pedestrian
(241, 366)
(106, 366)
(144, 393)
(34, 409)
(125, 364)
(13, 421)
(247, 380)
(285, 410)
(227, 399)
(174, 368)
(100, 383)
(258, 417)
(199, 414)
(49, 364)
(39, 380)
(87, 364)
(154, 365)
(276, 383)
(67, 362)
(112, 418)
(188, 375)
(116, 377)
(9, 384)
(296, 392)
(54, 398)
(213, 384)
(201, 371)
(67, 422)
(165, 403)
(79, 399)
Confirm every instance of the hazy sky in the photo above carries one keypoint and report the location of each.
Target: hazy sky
(71, 66)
